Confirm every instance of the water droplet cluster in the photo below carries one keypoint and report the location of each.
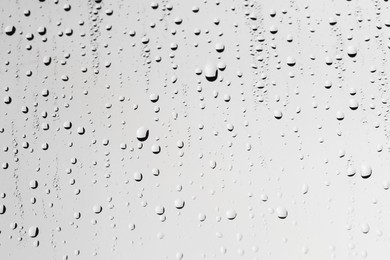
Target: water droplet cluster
(194, 129)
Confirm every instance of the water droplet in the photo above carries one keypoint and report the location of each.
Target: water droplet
(281, 212)
(365, 171)
(142, 133)
(33, 231)
(231, 214)
(211, 72)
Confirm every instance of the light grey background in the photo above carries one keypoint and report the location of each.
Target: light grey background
(259, 157)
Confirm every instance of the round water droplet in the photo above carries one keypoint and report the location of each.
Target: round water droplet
(201, 217)
(138, 176)
(33, 184)
(142, 133)
(281, 212)
(351, 171)
(222, 65)
(291, 61)
(351, 51)
(328, 84)
(386, 185)
(179, 203)
(46, 60)
(332, 21)
(339, 115)
(97, 209)
(7, 100)
(9, 30)
(67, 125)
(154, 5)
(260, 84)
(132, 226)
(278, 114)
(3, 209)
(33, 231)
(365, 228)
(219, 47)
(213, 164)
(273, 29)
(211, 72)
(155, 172)
(154, 97)
(159, 210)
(365, 171)
(156, 149)
(80, 130)
(353, 104)
(231, 214)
